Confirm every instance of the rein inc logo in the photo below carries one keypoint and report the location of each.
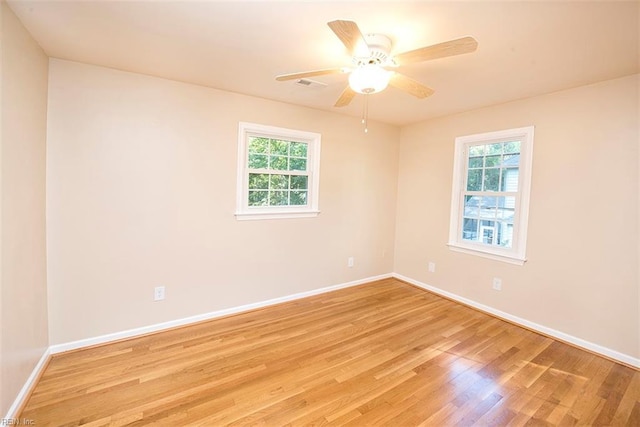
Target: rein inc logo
(17, 422)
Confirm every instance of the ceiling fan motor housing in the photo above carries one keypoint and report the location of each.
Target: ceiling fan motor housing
(379, 49)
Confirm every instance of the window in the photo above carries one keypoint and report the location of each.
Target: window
(490, 199)
(278, 172)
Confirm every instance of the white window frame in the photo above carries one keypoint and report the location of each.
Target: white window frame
(246, 212)
(517, 253)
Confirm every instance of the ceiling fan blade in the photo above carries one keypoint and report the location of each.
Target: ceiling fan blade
(440, 50)
(292, 76)
(345, 98)
(402, 82)
(351, 36)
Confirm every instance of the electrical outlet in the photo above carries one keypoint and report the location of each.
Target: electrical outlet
(497, 283)
(350, 262)
(158, 293)
(432, 267)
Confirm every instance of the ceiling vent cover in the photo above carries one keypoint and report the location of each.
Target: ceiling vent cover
(311, 84)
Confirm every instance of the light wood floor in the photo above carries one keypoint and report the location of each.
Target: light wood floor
(381, 353)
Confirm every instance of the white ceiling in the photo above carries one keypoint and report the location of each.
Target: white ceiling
(525, 48)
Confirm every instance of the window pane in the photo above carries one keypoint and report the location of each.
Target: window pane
(492, 161)
(509, 202)
(475, 162)
(297, 164)
(277, 146)
(298, 149)
(510, 179)
(258, 145)
(491, 179)
(476, 150)
(258, 198)
(487, 232)
(258, 181)
(257, 161)
(278, 198)
(506, 209)
(506, 215)
(512, 147)
(511, 160)
(471, 206)
(279, 181)
(298, 197)
(488, 202)
(474, 180)
(493, 149)
(470, 229)
(278, 162)
(299, 182)
(504, 234)
(488, 207)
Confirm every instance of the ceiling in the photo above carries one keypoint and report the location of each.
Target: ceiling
(525, 48)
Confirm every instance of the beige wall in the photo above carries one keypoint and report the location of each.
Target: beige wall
(23, 311)
(581, 277)
(141, 176)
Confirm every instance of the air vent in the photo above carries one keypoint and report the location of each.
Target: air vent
(311, 83)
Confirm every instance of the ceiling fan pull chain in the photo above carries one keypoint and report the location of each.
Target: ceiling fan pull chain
(365, 113)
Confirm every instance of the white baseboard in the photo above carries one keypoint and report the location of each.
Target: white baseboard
(578, 342)
(103, 339)
(26, 388)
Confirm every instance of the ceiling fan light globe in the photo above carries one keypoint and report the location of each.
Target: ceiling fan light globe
(369, 79)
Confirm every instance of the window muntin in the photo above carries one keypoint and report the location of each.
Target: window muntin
(491, 189)
(277, 172)
(491, 194)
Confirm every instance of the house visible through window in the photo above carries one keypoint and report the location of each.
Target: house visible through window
(277, 172)
(490, 199)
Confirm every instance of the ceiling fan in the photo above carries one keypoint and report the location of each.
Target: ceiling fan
(373, 64)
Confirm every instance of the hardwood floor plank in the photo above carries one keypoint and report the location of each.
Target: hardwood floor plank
(383, 353)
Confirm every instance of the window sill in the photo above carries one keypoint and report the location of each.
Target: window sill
(508, 258)
(252, 216)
